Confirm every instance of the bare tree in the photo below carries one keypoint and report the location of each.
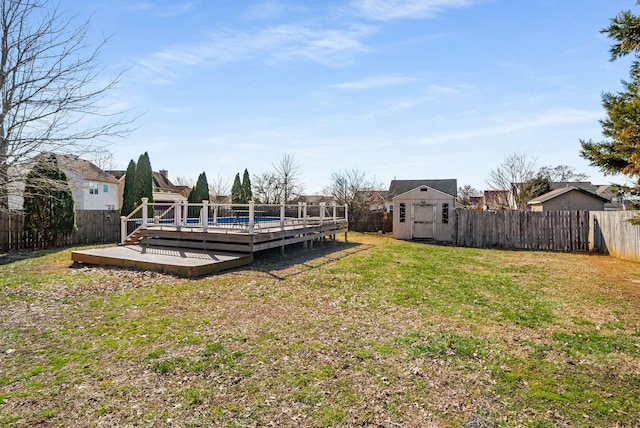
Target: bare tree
(50, 99)
(287, 174)
(266, 189)
(354, 189)
(562, 173)
(184, 181)
(102, 158)
(517, 174)
(219, 187)
(465, 193)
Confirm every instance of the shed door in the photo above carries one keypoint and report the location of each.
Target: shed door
(423, 221)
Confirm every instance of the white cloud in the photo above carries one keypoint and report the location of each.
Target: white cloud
(386, 10)
(375, 82)
(546, 118)
(330, 47)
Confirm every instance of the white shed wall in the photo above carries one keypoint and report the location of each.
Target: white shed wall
(442, 231)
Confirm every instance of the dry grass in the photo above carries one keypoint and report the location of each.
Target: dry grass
(375, 332)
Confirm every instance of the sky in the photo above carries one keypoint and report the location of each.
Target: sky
(413, 89)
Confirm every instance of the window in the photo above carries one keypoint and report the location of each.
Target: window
(105, 188)
(403, 212)
(93, 189)
(445, 213)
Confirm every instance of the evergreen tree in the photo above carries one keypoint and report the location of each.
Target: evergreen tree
(620, 152)
(49, 212)
(236, 190)
(144, 181)
(247, 194)
(128, 195)
(199, 193)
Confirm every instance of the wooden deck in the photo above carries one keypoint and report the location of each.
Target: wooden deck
(192, 252)
(187, 263)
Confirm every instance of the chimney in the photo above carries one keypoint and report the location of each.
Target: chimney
(164, 173)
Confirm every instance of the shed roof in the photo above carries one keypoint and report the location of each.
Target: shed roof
(558, 192)
(448, 186)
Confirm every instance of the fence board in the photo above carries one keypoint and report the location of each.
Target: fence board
(612, 233)
(553, 230)
(94, 227)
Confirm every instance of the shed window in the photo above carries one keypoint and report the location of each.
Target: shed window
(445, 213)
(105, 188)
(403, 212)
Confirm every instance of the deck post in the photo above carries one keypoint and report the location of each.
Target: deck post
(123, 230)
(145, 218)
(215, 214)
(185, 213)
(346, 217)
(323, 205)
(299, 209)
(251, 216)
(304, 214)
(335, 212)
(282, 214)
(204, 215)
(178, 214)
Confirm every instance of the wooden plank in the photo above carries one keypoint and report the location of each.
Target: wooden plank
(220, 246)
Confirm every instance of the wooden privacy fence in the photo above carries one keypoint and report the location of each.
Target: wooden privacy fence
(612, 233)
(551, 230)
(93, 227)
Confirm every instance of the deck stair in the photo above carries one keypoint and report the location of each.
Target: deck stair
(135, 238)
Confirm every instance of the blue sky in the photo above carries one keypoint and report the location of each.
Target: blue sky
(407, 89)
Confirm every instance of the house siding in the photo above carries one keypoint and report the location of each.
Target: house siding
(444, 232)
(570, 201)
(84, 200)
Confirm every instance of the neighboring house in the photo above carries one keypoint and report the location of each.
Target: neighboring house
(313, 199)
(165, 193)
(568, 198)
(496, 200)
(379, 201)
(92, 188)
(425, 212)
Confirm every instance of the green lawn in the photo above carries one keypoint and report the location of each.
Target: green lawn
(373, 332)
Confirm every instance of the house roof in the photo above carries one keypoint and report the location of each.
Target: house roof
(558, 192)
(84, 168)
(448, 186)
(168, 197)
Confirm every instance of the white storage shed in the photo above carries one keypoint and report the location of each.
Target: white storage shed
(424, 213)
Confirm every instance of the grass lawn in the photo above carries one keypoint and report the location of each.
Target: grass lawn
(373, 332)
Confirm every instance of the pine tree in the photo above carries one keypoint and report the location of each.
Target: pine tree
(49, 212)
(620, 152)
(144, 181)
(128, 195)
(236, 190)
(247, 194)
(199, 193)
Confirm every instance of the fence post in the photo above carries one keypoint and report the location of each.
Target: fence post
(178, 214)
(123, 230)
(304, 214)
(282, 214)
(144, 212)
(322, 208)
(251, 217)
(204, 215)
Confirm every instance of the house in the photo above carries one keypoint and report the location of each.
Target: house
(92, 188)
(495, 200)
(568, 198)
(424, 212)
(165, 193)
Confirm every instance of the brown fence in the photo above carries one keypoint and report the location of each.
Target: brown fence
(94, 227)
(552, 230)
(373, 221)
(612, 233)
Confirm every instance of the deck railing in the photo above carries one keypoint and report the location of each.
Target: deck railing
(243, 218)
